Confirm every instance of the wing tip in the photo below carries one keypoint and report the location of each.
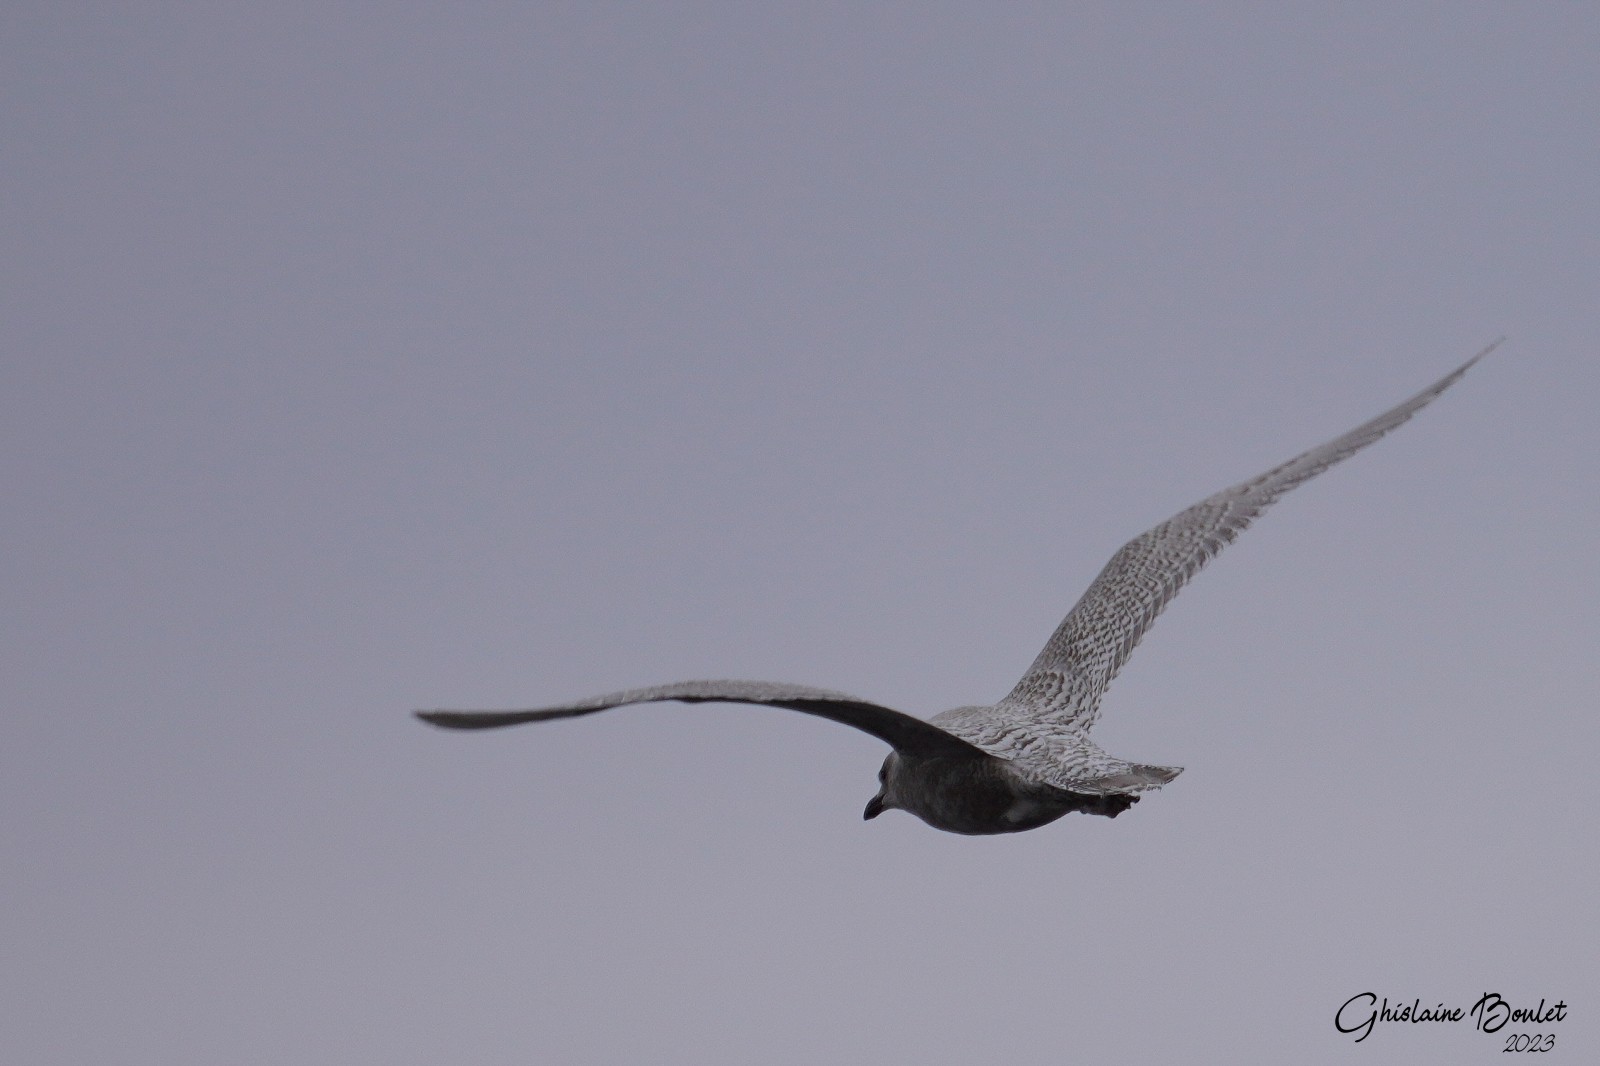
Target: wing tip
(452, 719)
(1492, 345)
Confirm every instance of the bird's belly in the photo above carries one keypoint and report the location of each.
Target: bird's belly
(977, 797)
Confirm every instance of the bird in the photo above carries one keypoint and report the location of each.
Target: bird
(1027, 760)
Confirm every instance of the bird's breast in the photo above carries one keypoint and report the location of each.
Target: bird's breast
(973, 796)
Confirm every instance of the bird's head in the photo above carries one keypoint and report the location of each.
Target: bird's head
(885, 799)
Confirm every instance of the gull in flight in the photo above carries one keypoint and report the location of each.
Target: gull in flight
(1027, 760)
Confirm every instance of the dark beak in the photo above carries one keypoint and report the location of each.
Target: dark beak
(874, 807)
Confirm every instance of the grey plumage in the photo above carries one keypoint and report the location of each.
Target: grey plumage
(1028, 759)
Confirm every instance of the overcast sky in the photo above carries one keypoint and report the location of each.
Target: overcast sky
(360, 358)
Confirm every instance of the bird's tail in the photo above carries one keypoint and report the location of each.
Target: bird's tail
(1134, 777)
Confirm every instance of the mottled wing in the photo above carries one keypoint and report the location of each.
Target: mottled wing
(1064, 758)
(902, 731)
(1064, 685)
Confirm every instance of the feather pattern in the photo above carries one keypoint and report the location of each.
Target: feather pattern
(1063, 687)
(1028, 759)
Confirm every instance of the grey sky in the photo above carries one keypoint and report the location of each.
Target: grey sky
(361, 358)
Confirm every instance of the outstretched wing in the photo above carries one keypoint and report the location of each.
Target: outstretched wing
(1065, 683)
(902, 731)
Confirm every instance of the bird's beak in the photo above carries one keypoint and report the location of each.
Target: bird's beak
(875, 807)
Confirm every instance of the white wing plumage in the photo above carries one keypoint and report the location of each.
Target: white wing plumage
(1061, 691)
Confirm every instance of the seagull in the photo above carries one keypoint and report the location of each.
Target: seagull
(1027, 760)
